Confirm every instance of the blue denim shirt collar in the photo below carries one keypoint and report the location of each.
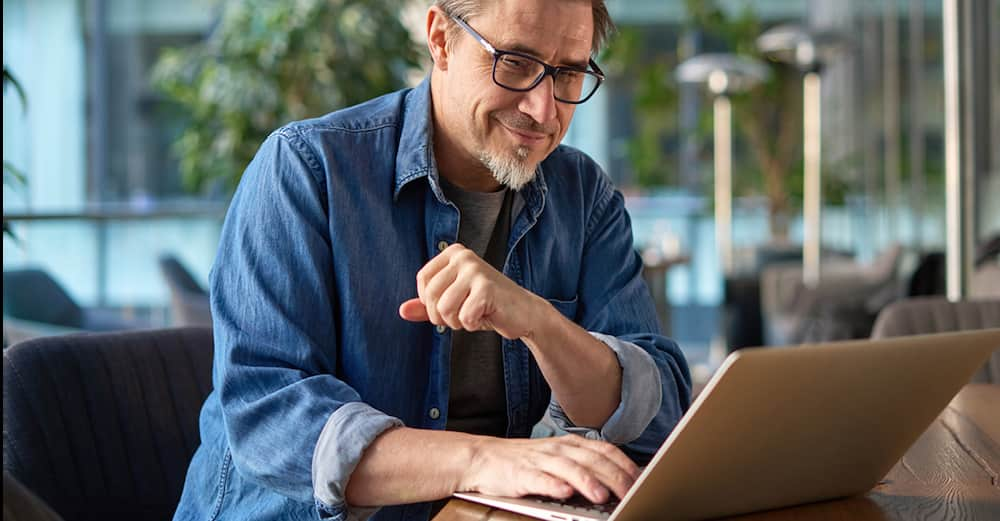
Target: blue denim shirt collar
(415, 156)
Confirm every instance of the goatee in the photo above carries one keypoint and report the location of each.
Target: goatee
(511, 170)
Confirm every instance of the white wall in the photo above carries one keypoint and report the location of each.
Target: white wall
(43, 47)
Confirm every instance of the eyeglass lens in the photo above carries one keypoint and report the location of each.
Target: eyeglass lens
(521, 73)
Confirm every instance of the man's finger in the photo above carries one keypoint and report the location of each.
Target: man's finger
(610, 452)
(451, 302)
(613, 477)
(414, 311)
(576, 474)
(432, 291)
(433, 266)
(538, 482)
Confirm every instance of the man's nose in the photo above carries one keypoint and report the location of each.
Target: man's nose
(539, 102)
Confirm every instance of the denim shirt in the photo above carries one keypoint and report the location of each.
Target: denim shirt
(322, 242)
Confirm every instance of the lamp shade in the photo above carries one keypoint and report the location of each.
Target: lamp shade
(722, 73)
(807, 49)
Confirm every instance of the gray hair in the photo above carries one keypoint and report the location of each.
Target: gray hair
(603, 26)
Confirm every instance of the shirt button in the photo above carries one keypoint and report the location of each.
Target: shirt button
(442, 245)
(434, 413)
(441, 329)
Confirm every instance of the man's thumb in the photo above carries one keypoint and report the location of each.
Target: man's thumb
(413, 310)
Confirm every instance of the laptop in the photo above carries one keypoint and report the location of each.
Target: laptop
(778, 427)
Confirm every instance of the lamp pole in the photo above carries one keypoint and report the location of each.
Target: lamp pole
(722, 115)
(959, 199)
(812, 204)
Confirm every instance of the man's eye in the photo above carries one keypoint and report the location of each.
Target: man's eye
(514, 62)
(570, 76)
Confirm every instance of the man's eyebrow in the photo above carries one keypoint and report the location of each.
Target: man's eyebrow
(582, 65)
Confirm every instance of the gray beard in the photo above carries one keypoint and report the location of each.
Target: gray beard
(511, 170)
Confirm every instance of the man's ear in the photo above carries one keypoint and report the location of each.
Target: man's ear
(438, 24)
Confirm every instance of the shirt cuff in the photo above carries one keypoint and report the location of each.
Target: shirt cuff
(346, 435)
(642, 394)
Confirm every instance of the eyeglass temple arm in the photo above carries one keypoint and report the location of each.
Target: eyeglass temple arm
(597, 70)
(482, 41)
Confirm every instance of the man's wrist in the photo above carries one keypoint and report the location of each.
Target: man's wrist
(468, 460)
(542, 318)
(460, 460)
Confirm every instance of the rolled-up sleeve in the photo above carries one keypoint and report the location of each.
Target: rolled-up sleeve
(640, 401)
(348, 432)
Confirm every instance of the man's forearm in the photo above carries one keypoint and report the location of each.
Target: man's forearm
(582, 371)
(405, 465)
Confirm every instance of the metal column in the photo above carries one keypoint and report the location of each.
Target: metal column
(917, 175)
(97, 57)
(812, 184)
(958, 146)
(723, 123)
(890, 117)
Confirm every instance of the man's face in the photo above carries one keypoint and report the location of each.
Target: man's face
(511, 132)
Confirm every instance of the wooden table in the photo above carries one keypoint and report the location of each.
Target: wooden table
(951, 473)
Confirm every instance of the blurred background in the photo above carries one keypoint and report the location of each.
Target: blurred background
(127, 124)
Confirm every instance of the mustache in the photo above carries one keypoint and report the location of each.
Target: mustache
(519, 121)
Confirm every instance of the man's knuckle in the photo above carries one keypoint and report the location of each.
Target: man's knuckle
(589, 481)
(608, 449)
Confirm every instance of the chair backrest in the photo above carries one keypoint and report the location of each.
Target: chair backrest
(984, 282)
(189, 304)
(918, 316)
(177, 276)
(886, 265)
(928, 277)
(31, 294)
(103, 426)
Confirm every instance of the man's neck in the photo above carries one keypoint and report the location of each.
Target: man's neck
(453, 163)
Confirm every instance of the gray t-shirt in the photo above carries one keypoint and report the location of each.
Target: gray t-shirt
(477, 402)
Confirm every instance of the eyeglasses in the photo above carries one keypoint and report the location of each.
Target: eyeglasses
(521, 72)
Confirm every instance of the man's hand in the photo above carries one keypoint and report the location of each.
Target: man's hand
(394, 469)
(553, 467)
(460, 290)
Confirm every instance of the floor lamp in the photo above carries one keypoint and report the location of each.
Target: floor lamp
(808, 50)
(723, 75)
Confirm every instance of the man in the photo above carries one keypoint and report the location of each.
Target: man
(403, 285)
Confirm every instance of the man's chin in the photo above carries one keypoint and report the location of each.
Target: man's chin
(513, 168)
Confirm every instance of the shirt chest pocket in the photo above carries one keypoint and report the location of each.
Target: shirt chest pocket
(568, 308)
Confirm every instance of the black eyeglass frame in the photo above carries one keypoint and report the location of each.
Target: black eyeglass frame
(549, 70)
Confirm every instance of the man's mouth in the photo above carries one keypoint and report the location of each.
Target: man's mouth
(524, 136)
(524, 132)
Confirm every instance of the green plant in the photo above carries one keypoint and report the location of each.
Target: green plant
(267, 63)
(654, 105)
(12, 176)
(767, 119)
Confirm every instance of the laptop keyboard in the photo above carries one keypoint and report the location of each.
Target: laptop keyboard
(582, 505)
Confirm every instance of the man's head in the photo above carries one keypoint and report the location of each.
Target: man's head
(487, 134)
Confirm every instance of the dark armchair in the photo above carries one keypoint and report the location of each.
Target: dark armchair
(103, 426)
(32, 296)
(925, 315)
